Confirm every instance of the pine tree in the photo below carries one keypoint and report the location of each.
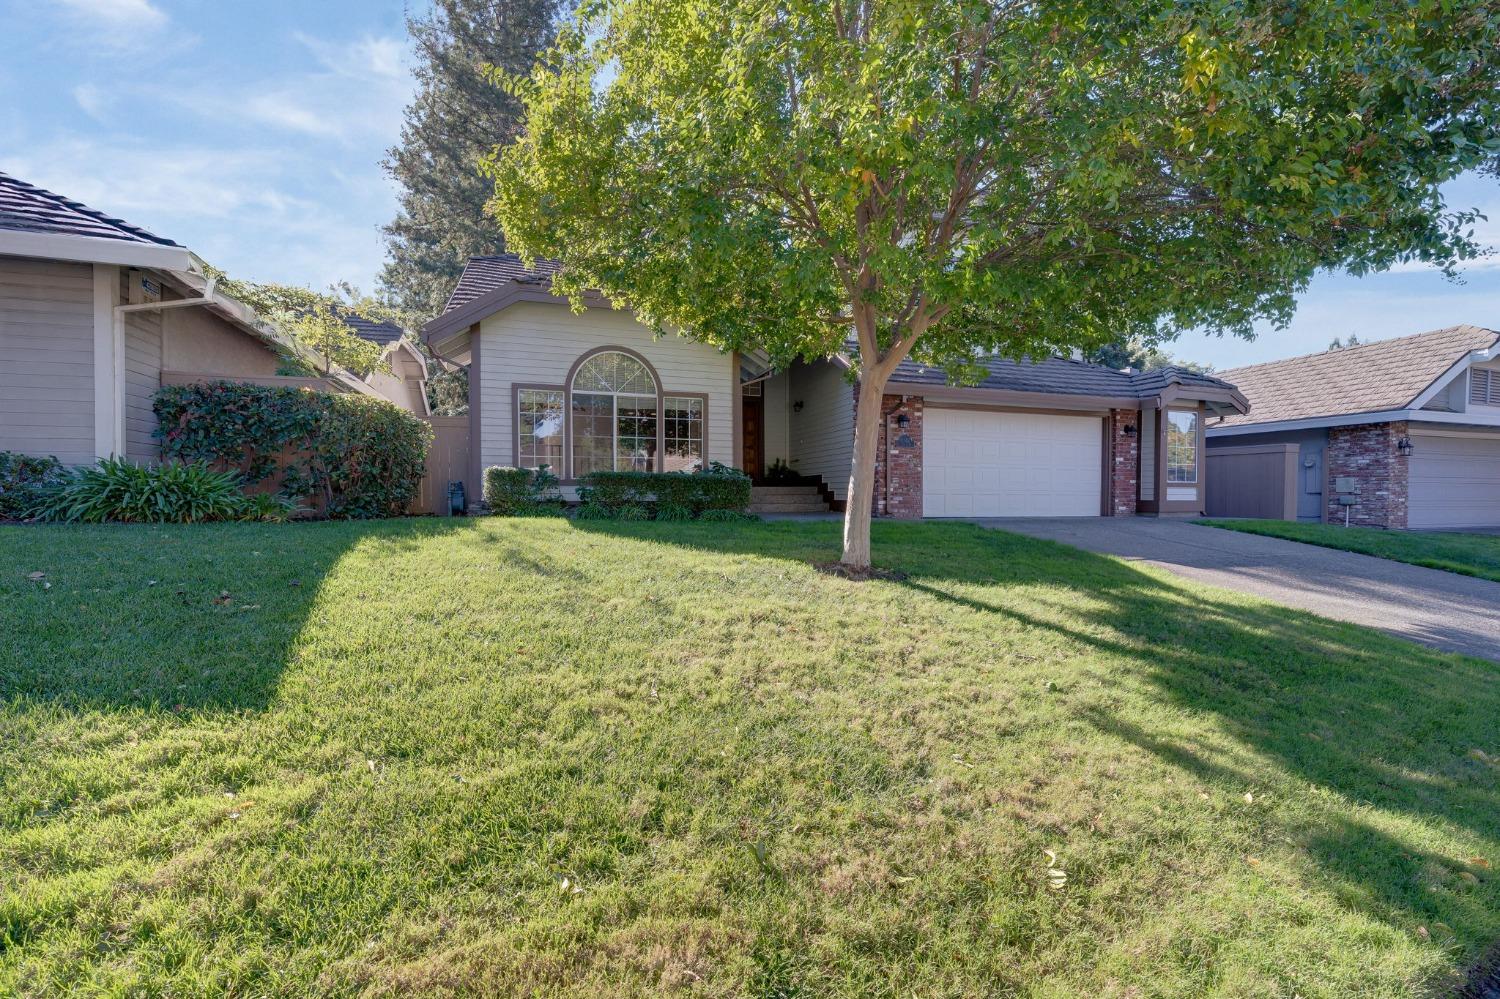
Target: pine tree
(457, 117)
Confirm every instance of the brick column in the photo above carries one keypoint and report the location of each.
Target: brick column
(898, 461)
(1369, 454)
(1124, 461)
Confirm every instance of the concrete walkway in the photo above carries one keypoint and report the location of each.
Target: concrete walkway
(1441, 609)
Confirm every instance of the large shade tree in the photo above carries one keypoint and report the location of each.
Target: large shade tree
(932, 178)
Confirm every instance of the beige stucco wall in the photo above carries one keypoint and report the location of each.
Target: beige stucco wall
(537, 344)
(198, 341)
(47, 359)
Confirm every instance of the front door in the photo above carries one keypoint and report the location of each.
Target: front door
(753, 434)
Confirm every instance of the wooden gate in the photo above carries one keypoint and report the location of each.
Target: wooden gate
(447, 461)
(1258, 481)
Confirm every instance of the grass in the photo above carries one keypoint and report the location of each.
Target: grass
(529, 757)
(1467, 554)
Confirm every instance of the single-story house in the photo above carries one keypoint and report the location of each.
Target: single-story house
(595, 390)
(1402, 433)
(97, 314)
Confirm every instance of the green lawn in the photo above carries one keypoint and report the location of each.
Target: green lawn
(533, 757)
(1469, 554)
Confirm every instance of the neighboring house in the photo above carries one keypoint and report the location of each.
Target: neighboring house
(97, 314)
(405, 383)
(581, 392)
(1402, 433)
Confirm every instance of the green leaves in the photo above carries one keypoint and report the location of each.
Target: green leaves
(1038, 178)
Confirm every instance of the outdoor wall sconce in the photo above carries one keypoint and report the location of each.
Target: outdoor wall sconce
(1129, 430)
(903, 421)
(1404, 445)
(797, 406)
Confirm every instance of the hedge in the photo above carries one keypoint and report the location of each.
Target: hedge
(511, 492)
(697, 492)
(355, 456)
(26, 481)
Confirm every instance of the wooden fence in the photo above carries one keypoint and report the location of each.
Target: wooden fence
(447, 461)
(1259, 481)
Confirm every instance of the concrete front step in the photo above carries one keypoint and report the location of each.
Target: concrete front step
(789, 506)
(783, 490)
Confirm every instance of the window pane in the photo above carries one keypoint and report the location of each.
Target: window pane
(539, 423)
(614, 372)
(683, 418)
(593, 433)
(1182, 446)
(636, 423)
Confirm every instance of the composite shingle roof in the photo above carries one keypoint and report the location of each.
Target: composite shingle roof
(376, 331)
(1370, 378)
(27, 208)
(484, 274)
(1061, 376)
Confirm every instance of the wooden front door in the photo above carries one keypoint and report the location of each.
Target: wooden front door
(753, 436)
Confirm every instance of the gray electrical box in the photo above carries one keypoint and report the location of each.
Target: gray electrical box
(1345, 484)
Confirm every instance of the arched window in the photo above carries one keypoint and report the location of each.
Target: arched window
(615, 413)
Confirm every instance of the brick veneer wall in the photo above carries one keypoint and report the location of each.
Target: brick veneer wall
(1369, 454)
(1124, 461)
(898, 460)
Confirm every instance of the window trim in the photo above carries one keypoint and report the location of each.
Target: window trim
(565, 474)
(515, 411)
(1166, 456)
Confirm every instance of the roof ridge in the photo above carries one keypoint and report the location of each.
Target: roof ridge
(1345, 351)
(83, 209)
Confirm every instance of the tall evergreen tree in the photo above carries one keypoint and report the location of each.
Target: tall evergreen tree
(457, 117)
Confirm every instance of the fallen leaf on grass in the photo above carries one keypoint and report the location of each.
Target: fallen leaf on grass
(1056, 876)
(36, 576)
(1249, 798)
(1480, 862)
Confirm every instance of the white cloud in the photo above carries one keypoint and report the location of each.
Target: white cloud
(140, 14)
(92, 99)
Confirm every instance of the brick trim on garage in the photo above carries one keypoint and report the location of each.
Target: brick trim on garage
(899, 456)
(1370, 455)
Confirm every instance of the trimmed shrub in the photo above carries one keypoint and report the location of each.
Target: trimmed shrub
(633, 511)
(120, 490)
(355, 456)
(515, 492)
(26, 482)
(720, 489)
(593, 511)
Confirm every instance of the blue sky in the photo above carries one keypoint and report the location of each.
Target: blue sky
(252, 132)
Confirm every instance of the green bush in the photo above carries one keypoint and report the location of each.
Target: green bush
(728, 516)
(25, 482)
(593, 511)
(721, 488)
(673, 512)
(120, 490)
(515, 492)
(633, 511)
(356, 456)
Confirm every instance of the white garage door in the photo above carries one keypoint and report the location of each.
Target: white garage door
(1455, 482)
(983, 464)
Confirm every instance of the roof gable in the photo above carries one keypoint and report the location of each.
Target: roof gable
(1371, 378)
(483, 275)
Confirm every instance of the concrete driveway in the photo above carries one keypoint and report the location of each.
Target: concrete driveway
(1440, 609)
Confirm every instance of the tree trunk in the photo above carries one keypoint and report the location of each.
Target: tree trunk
(862, 471)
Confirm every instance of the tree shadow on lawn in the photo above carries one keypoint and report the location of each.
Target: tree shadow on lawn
(1383, 729)
(171, 618)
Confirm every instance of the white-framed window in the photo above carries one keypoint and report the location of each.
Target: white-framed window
(615, 415)
(682, 433)
(1182, 446)
(539, 429)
